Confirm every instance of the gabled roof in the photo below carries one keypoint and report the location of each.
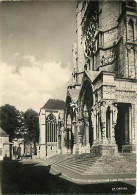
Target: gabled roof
(74, 93)
(3, 133)
(92, 74)
(54, 104)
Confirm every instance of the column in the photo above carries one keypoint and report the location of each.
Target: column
(64, 141)
(135, 31)
(99, 127)
(80, 135)
(87, 148)
(87, 133)
(134, 122)
(103, 121)
(74, 134)
(97, 136)
(110, 126)
(130, 124)
(93, 119)
(127, 29)
(115, 111)
(69, 139)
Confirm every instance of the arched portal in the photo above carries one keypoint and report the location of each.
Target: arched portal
(69, 137)
(86, 102)
(122, 127)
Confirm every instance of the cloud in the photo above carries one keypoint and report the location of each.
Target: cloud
(34, 82)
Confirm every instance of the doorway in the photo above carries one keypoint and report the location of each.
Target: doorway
(122, 127)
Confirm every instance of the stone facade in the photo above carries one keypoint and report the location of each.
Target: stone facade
(101, 105)
(50, 119)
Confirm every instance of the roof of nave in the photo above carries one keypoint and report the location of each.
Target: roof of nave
(74, 93)
(54, 104)
(3, 133)
(92, 74)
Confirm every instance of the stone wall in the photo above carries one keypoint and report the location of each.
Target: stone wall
(109, 14)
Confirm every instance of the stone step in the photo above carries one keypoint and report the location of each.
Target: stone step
(73, 161)
(84, 158)
(74, 169)
(83, 164)
(107, 166)
(88, 164)
(55, 159)
(75, 165)
(61, 160)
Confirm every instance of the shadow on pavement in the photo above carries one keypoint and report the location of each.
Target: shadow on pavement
(32, 178)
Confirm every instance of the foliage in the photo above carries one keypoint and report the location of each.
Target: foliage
(31, 122)
(9, 120)
(18, 124)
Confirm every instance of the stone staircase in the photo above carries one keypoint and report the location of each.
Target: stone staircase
(56, 159)
(78, 163)
(89, 164)
(113, 165)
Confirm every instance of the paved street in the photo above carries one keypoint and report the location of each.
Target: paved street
(31, 177)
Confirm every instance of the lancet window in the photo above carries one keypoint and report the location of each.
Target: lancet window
(51, 128)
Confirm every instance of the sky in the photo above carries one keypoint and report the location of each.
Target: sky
(36, 41)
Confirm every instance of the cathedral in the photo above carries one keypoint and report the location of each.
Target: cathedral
(100, 113)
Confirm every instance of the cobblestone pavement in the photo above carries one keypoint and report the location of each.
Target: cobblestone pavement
(34, 177)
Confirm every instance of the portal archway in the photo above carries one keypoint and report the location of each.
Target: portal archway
(86, 103)
(69, 115)
(122, 126)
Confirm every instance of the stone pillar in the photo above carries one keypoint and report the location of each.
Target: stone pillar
(80, 135)
(58, 134)
(134, 29)
(69, 140)
(87, 146)
(114, 122)
(63, 141)
(74, 134)
(105, 146)
(133, 118)
(97, 134)
(127, 37)
(130, 124)
(134, 123)
(103, 110)
(111, 122)
(93, 119)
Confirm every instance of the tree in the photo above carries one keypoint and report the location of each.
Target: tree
(31, 123)
(9, 120)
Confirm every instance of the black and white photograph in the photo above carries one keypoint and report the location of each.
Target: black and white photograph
(68, 96)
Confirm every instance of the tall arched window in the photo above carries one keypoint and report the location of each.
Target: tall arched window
(51, 128)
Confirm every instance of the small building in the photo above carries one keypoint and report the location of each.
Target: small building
(5, 145)
(49, 119)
